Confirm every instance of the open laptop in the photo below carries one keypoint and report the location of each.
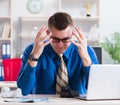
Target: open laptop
(104, 82)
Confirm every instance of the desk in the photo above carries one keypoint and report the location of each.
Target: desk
(56, 100)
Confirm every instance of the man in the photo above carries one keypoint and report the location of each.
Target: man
(41, 61)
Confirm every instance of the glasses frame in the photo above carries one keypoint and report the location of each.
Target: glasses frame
(57, 40)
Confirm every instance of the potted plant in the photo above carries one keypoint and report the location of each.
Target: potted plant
(112, 46)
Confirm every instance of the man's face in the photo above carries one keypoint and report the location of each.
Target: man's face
(61, 39)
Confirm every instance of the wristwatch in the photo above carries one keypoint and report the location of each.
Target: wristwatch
(31, 58)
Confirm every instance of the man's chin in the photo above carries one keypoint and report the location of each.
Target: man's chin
(60, 52)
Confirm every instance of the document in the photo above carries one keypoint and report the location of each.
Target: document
(25, 99)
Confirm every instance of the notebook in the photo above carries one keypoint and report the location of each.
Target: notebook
(103, 83)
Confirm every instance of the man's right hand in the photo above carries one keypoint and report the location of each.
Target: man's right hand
(42, 39)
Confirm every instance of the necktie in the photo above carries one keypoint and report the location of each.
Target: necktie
(62, 76)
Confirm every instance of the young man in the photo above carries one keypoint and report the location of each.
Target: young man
(41, 61)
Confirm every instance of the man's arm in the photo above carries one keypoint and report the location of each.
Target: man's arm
(26, 77)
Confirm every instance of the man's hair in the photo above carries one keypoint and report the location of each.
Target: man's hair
(60, 21)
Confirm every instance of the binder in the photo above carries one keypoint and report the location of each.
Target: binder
(1, 73)
(6, 50)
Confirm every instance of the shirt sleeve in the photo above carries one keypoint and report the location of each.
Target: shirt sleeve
(26, 78)
(94, 60)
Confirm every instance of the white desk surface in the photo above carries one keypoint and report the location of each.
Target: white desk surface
(8, 83)
(56, 100)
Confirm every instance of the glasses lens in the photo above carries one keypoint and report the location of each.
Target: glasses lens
(55, 40)
(66, 40)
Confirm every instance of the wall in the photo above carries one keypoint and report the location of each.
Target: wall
(110, 23)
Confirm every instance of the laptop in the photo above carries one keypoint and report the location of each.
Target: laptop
(103, 83)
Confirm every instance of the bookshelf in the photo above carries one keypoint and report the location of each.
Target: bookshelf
(5, 32)
(5, 27)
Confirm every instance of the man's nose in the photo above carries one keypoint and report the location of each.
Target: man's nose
(60, 42)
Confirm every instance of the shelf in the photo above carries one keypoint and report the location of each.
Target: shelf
(86, 18)
(27, 35)
(33, 18)
(5, 17)
(93, 42)
(5, 39)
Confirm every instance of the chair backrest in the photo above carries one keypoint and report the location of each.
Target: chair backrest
(98, 51)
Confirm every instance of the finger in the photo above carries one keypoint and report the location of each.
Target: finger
(42, 29)
(46, 43)
(47, 38)
(76, 34)
(44, 36)
(76, 43)
(79, 40)
(43, 33)
(80, 32)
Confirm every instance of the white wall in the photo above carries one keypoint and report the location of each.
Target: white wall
(110, 16)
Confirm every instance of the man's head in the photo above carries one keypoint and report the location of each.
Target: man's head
(61, 26)
(60, 21)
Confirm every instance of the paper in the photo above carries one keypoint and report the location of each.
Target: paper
(25, 100)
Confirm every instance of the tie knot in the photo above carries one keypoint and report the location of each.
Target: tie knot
(60, 55)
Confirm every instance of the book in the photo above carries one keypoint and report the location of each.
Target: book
(6, 31)
(94, 33)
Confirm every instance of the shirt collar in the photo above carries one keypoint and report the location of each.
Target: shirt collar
(66, 54)
(68, 51)
(51, 51)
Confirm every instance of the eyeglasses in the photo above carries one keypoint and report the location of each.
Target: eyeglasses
(64, 40)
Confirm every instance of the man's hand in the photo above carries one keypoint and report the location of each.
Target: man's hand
(81, 43)
(42, 39)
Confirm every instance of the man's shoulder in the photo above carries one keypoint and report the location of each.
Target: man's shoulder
(28, 49)
(90, 48)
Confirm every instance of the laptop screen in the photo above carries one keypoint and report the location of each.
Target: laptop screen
(104, 82)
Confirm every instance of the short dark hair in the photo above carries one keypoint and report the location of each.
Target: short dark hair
(60, 21)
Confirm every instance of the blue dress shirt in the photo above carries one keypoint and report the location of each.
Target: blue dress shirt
(42, 78)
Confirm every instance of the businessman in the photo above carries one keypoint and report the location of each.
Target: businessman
(41, 60)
